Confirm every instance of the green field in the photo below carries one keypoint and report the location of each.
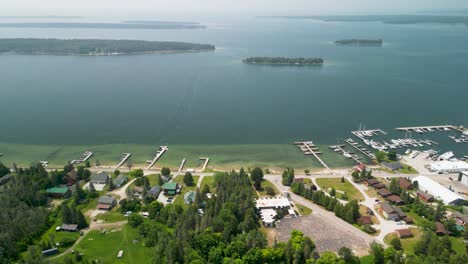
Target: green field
(105, 246)
(266, 183)
(112, 216)
(273, 156)
(303, 210)
(406, 243)
(351, 191)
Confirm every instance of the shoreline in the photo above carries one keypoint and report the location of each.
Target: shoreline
(111, 54)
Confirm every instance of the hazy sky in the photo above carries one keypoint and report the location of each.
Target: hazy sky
(217, 7)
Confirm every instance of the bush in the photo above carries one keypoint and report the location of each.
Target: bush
(66, 242)
(269, 191)
(396, 243)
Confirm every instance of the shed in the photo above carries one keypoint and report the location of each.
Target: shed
(440, 229)
(58, 192)
(425, 196)
(372, 181)
(69, 227)
(365, 220)
(405, 184)
(384, 193)
(396, 199)
(50, 252)
(379, 186)
(404, 233)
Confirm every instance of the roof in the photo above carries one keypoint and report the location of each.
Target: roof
(365, 220)
(426, 195)
(388, 208)
(268, 215)
(155, 190)
(438, 191)
(104, 206)
(463, 217)
(106, 200)
(404, 183)
(69, 227)
(440, 229)
(100, 177)
(373, 181)
(384, 192)
(57, 190)
(138, 189)
(395, 199)
(72, 175)
(379, 185)
(276, 202)
(399, 211)
(119, 180)
(404, 232)
(298, 180)
(169, 186)
(392, 165)
(189, 197)
(446, 165)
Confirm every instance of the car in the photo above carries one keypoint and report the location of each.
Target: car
(169, 200)
(450, 178)
(377, 200)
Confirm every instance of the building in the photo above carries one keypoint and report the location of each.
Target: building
(58, 192)
(395, 199)
(4, 179)
(120, 180)
(405, 184)
(365, 220)
(425, 196)
(189, 197)
(403, 233)
(360, 167)
(268, 209)
(170, 188)
(393, 166)
(379, 186)
(268, 217)
(50, 252)
(371, 182)
(391, 212)
(100, 178)
(69, 227)
(460, 218)
(155, 191)
(71, 177)
(384, 193)
(462, 177)
(428, 185)
(446, 166)
(106, 203)
(440, 229)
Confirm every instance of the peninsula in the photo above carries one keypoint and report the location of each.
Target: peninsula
(360, 42)
(95, 47)
(283, 61)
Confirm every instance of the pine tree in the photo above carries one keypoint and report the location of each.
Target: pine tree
(188, 179)
(67, 215)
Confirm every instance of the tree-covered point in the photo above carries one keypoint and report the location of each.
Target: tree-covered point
(283, 61)
(360, 42)
(94, 46)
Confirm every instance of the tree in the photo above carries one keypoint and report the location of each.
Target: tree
(307, 171)
(347, 255)
(377, 251)
(116, 172)
(137, 173)
(67, 168)
(66, 215)
(392, 155)
(270, 191)
(92, 189)
(329, 258)
(165, 171)
(134, 220)
(111, 185)
(288, 177)
(380, 156)
(333, 192)
(188, 179)
(394, 187)
(3, 170)
(257, 177)
(78, 194)
(396, 243)
(88, 164)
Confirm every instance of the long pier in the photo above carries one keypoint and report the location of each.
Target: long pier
(125, 157)
(423, 129)
(340, 149)
(182, 164)
(85, 158)
(354, 144)
(205, 163)
(308, 148)
(159, 153)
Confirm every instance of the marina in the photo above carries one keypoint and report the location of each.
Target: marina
(159, 153)
(461, 139)
(125, 157)
(425, 129)
(309, 148)
(340, 149)
(360, 148)
(85, 158)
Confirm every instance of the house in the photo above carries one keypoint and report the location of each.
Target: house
(106, 203)
(69, 227)
(360, 167)
(384, 193)
(100, 178)
(50, 252)
(4, 179)
(391, 212)
(71, 177)
(154, 191)
(430, 186)
(440, 229)
(403, 233)
(170, 188)
(365, 220)
(401, 214)
(405, 184)
(395, 199)
(138, 189)
(58, 192)
(393, 166)
(425, 196)
(372, 182)
(189, 197)
(379, 186)
(120, 180)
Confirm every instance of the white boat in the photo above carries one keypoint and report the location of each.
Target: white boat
(408, 151)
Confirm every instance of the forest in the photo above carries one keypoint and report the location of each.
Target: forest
(94, 46)
(283, 61)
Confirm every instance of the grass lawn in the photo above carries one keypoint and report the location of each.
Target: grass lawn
(112, 216)
(407, 169)
(57, 236)
(367, 260)
(418, 220)
(105, 246)
(407, 243)
(303, 210)
(351, 191)
(266, 183)
(210, 181)
(153, 179)
(180, 180)
(458, 245)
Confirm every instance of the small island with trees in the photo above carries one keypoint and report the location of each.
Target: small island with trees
(95, 47)
(283, 61)
(360, 42)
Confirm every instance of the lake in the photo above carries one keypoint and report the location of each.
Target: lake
(418, 77)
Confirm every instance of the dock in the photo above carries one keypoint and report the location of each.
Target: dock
(125, 157)
(363, 150)
(349, 155)
(86, 156)
(368, 133)
(159, 153)
(462, 139)
(205, 163)
(309, 148)
(424, 129)
(182, 164)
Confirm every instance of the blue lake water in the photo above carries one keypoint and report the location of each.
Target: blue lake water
(419, 77)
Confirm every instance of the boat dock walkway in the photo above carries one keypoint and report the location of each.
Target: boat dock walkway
(125, 157)
(159, 153)
(85, 158)
(423, 129)
(363, 150)
(368, 133)
(308, 148)
(349, 155)
(182, 164)
(462, 139)
(205, 163)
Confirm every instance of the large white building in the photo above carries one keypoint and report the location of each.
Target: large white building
(439, 192)
(267, 208)
(463, 177)
(446, 166)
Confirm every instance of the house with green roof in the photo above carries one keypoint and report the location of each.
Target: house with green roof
(58, 192)
(120, 180)
(170, 188)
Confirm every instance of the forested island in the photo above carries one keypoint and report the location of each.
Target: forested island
(283, 61)
(95, 47)
(125, 25)
(360, 42)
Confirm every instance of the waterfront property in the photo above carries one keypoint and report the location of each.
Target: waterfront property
(430, 186)
(268, 207)
(393, 166)
(100, 178)
(58, 192)
(71, 177)
(170, 188)
(106, 203)
(120, 180)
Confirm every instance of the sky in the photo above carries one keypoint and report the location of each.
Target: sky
(181, 8)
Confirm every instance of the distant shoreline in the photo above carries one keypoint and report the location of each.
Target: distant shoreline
(110, 54)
